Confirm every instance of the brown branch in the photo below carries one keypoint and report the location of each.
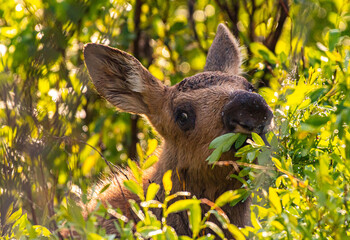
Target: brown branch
(190, 4)
(273, 37)
(232, 13)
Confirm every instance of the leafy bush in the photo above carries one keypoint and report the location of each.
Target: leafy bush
(54, 128)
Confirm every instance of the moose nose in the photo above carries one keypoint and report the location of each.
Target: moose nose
(247, 112)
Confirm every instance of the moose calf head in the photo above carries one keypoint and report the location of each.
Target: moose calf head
(192, 113)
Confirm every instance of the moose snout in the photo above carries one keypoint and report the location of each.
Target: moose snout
(247, 112)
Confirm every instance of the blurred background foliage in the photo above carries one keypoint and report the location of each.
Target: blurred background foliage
(53, 125)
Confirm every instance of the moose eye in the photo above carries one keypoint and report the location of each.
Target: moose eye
(182, 118)
(185, 117)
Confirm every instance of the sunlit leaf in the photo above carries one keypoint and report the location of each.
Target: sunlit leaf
(257, 139)
(135, 170)
(132, 186)
(170, 233)
(182, 205)
(167, 183)
(152, 190)
(151, 146)
(227, 197)
(150, 162)
(215, 228)
(263, 52)
(275, 200)
(236, 233)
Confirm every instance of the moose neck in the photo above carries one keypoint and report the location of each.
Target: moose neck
(190, 172)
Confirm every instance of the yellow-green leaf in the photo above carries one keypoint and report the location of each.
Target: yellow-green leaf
(167, 183)
(227, 197)
(149, 162)
(195, 216)
(139, 153)
(135, 170)
(133, 187)
(181, 205)
(275, 200)
(152, 146)
(236, 233)
(215, 228)
(152, 190)
(257, 139)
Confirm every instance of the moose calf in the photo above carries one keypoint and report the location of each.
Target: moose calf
(188, 116)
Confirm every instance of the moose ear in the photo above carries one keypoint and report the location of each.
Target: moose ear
(121, 78)
(224, 54)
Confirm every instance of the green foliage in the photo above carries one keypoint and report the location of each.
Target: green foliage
(56, 133)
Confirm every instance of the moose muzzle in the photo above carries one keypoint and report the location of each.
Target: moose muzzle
(247, 112)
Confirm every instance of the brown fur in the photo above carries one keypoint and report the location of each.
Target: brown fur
(123, 81)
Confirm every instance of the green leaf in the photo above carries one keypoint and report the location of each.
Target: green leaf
(151, 146)
(221, 140)
(181, 205)
(277, 163)
(94, 236)
(257, 139)
(170, 233)
(135, 170)
(228, 144)
(316, 94)
(334, 35)
(195, 216)
(236, 233)
(251, 156)
(42, 231)
(227, 197)
(215, 228)
(240, 140)
(275, 200)
(150, 162)
(139, 153)
(262, 51)
(177, 26)
(243, 195)
(152, 190)
(167, 183)
(104, 188)
(75, 212)
(14, 216)
(149, 231)
(184, 238)
(215, 156)
(316, 120)
(243, 150)
(136, 209)
(254, 220)
(133, 187)
(220, 216)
